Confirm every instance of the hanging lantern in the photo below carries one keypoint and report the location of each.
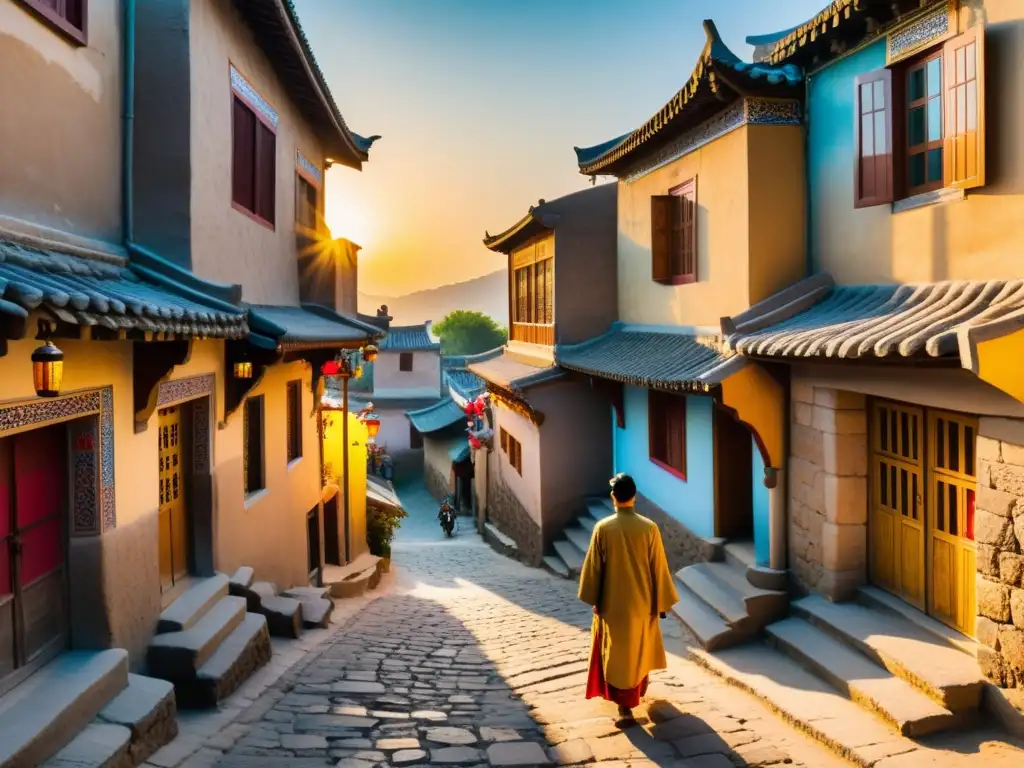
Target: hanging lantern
(331, 368)
(372, 422)
(47, 370)
(243, 369)
(474, 442)
(369, 353)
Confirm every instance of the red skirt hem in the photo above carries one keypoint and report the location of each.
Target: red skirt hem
(598, 687)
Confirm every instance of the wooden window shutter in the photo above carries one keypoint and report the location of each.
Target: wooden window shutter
(964, 88)
(684, 231)
(539, 293)
(243, 153)
(873, 164)
(661, 236)
(549, 298)
(266, 172)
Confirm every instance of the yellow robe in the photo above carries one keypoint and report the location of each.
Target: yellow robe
(626, 576)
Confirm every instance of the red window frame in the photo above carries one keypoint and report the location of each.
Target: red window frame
(68, 17)
(666, 431)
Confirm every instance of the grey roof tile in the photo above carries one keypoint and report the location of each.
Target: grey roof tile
(436, 417)
(509, 371)
(409, 338)
(314, 325)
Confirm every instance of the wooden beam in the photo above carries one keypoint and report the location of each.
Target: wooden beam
(152, 363)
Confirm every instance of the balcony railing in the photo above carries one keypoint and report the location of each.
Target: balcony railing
(533, 333)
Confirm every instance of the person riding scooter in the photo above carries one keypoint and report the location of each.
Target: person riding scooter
(447, 516)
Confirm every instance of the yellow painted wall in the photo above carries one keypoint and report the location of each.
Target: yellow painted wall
(978, 238)
(334, 447)
(722, 237)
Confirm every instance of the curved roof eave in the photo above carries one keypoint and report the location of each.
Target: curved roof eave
(533, 223)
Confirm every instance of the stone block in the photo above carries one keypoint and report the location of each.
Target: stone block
(1013, 454)
(812, 495)
(845, 454)
(840, 586)
(846, 499)
(994, 530)
(839, 422)
(799, 542)
(1011, 646)
(988, 449)
(802, 471)
(1004, 430)
(839, 399)
(991, 664)
(799, 513)
(801, 392)
(1018, 531)
(988, 561)
(803, 414)
(807, 443)
(1017, 607)
(1011, 568)
(987, 632)
(993, 600)
(1005, 477)
(995, 502)
(843, 547)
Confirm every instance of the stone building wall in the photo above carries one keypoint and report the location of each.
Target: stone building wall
(999, 536)
(828, 490)
(682, 546)
(506, 512)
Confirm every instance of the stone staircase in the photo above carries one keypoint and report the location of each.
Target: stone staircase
(85, 709)
(719, 604)
(570, 550)
(283, 614)
(355, 579)
(208, 643)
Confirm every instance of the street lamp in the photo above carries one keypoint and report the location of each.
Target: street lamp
(47, 364)
(347, 365)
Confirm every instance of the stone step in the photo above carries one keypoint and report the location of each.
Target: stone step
(148, 710)
(579, 536)
(587, 522)
(316, 604)
(557, 566)
(895, 701)
(243, 577)
(570, 554)
(709, 629)
(354, 584)
(947, 675)
(763, 605)
(283, 615)
(99, 745)
(873, 597)
(244, 651)
(44, 713)
(177, 656)
(193, 604)
(600, 508)
(264, 589)
(740, 553)
(725, 599)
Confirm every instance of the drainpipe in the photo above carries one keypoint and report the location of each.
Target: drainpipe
(128, 125)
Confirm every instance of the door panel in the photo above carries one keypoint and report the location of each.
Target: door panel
(897, 511)
(734, 514)
(174, 532)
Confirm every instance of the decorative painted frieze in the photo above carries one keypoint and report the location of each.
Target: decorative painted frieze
(305, 166)
(244, 88)
(933, 27)
(180, 390)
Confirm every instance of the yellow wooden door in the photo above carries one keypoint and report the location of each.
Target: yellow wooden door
(173, 513)
(897, 525)
(951, 487)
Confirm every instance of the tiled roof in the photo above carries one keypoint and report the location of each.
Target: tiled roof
(357, 400)
(275, 25)
(310, 326)
(816, 319)
(511, 372)
(408, 338)
(718, 78)
(105, 293)
(436, 417)
(452, 362)
(459, 451)
(465, 384)
(649, 358)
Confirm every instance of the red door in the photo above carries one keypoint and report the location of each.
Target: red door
(33, 581)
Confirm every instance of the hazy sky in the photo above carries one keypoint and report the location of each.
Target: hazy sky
(480, 102)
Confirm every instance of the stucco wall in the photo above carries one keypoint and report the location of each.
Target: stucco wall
(60, 136)
(691, 502)
(722, 238)
(514, 500)
(424, 380)
(437, 464)
(974, 239)
(394, 430)
(334, 467)
(228, 246)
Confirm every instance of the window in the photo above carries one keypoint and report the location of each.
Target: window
(415, 438)
(513, 449)
(252, 443)
(533, 286)
(405, 362)
(674, 235)
(920, 124)
(294, 424)
(67, 16)
(254, 161)
(666, 422)
(306, 199)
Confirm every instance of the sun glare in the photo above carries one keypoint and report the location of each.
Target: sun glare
(347, 213)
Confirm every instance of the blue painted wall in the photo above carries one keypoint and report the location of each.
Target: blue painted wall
(691, 502)
(830, 138)
(762, 546)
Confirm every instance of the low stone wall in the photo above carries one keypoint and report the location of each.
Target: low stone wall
(682, 546)
(828, 490)
(999, 536)
(509, 515)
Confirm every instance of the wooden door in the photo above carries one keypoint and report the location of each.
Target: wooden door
(952, 553)
(896, 524)
(33, 577)
(734, 500)
(174, 533)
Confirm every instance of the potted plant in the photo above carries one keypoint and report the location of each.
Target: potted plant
(381, 523)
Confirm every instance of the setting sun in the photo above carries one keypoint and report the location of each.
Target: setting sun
(346, 211)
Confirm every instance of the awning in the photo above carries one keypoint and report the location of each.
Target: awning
(381, 494)
(653, 359)
(511, 372)
(436, 417)
(105, 293)
(308, 327)
(816, 319)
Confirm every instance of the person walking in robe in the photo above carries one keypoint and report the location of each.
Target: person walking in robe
(626, 578)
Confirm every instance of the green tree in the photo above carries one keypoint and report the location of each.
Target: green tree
(467, 332)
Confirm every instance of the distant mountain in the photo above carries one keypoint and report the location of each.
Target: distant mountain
(487, 294)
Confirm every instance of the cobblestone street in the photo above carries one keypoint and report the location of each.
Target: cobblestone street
(473, 659)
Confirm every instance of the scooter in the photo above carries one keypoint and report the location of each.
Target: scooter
(447, 516)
